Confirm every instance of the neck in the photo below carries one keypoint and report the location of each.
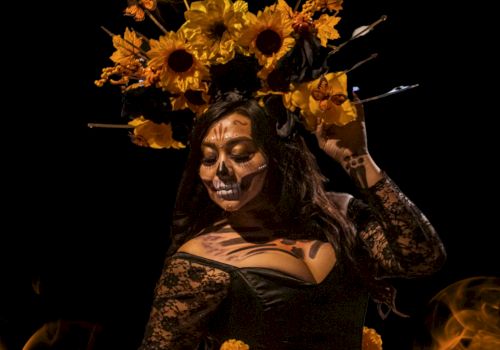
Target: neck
(258, 222)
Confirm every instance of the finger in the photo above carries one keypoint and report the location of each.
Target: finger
(319, 127)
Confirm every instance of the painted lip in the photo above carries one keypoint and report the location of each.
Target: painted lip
(228, 191)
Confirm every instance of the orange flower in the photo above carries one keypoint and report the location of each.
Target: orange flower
(233, 344)
(371, 339)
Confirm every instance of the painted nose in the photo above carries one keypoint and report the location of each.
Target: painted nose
(223, 171)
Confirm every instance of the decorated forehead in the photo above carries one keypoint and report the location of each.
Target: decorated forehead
(268, 51)
(230, 126)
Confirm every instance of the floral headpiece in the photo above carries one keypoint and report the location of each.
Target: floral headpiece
(276, 52)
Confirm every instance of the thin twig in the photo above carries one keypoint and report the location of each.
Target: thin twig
(109, 126)
(151, 17)
(361, 33)
(395, 90)
(296, 7)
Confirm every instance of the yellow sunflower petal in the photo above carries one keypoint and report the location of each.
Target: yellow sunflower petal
(213, 27)
(195, 100)
(283, 6)
(269, 35)
(179, 69)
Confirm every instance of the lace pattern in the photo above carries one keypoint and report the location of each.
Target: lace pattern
(395, 232)
(186, 296)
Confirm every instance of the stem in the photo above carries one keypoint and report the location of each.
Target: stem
(155, 21)
(296, 7)
(372, 56)
(396, 90)
(361, 33)
(109, 126)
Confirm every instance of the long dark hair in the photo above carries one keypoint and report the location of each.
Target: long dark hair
(294, 185)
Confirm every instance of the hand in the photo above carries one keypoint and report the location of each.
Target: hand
(343, 142)
(347, 145)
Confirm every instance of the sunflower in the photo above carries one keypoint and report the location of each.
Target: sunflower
(269, 36)
(179, 68)
(195, 100)
(149, 134)
(127, 48)
(214, 26)
(326, 100)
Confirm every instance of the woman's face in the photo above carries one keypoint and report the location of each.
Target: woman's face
(232, 168)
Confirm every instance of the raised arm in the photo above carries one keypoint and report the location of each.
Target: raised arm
(395, 232)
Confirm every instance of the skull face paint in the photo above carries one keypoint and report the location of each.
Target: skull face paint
(232, 168)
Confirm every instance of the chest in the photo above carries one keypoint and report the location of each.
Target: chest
(308, 260)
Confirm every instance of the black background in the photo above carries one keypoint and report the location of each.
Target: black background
(88, 212)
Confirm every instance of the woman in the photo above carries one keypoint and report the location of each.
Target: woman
(261, 253)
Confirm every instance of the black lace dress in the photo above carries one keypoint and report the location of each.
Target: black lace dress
(200, 303)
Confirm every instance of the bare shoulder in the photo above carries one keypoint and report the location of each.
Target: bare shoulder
(306, 259)
(206, 245)
(192, 246)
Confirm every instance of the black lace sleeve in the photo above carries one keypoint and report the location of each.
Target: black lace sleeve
(395, 232)
(186, 296)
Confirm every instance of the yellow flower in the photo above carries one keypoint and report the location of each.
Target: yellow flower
(324, 98)
(127, 48)
(179, 69)
(269, 36)
(149, 134)
(233, 344)
(214, 26)
(136, 8)
(371, 339)
(195, 100)
(325, 26)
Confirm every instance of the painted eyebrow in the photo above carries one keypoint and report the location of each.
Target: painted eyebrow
(230, 142)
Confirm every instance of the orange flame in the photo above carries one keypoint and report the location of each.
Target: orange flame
(466, 315)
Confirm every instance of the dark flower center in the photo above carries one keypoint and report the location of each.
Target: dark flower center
(217, 30)
(180, 61)
(268, 42)
(195, 97)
